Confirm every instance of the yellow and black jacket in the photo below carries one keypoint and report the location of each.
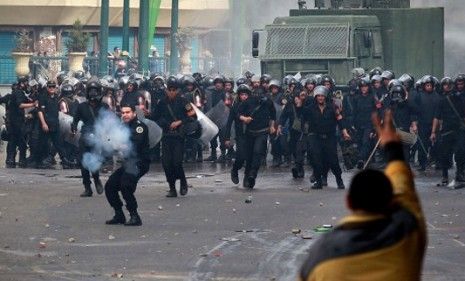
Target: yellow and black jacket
(374, 247)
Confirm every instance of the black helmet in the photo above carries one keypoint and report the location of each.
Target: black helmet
(309, 80)
(327, 78)
(218, 79)
(376, 78)
(188, 80)
(79, 74)
(407, 80)
(459, 77)
(427, 79)
(248, 74)
(241, 81)
(388, 74)
(134, 83)
(266, 78)
(94, 90)
(393, 83)
(275, 83)
(67, 90)
(447, 81)
(286, 79)
(51, 83)
(197, 76)
(321, 91)
(172, 82)
(376, 71)
(207, 81)
(398, 93)
(243, 88)
(229, 80)
(364, 81)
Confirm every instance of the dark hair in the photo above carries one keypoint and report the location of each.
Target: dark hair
(133, 107)
(370, 190)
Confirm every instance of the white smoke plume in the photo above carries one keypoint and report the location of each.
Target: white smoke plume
(110, 137)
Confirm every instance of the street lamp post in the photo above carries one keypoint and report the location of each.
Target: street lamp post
(103, 62)
(174, 30)
(143, 35)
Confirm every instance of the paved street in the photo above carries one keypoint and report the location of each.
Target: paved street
(47, 232)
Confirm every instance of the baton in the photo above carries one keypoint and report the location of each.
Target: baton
(372, 154)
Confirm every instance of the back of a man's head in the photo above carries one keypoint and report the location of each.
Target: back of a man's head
(370, 191)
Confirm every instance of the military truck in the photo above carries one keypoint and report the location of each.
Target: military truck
(350, 34)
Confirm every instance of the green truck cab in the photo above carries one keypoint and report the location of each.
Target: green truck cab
(334, 41)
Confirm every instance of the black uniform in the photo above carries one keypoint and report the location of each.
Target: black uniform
(426, 106)
(133, 98)
(239, 137)
(48, 105)
(262, 111)
(213, 97)
(137, 164)
(363, 107)
(452, 134)
(15, 128)
(168, 112)
(322, 139)
(88, 114)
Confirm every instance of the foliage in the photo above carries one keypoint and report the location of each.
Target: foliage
(78, 39)
(23, 41)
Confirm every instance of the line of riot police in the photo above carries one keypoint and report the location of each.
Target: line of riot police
(303, 119)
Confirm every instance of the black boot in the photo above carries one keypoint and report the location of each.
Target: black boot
(222, 158)
(234, 176)
(87, 191)
(10, 163)
(251, 181)
(134, 220)
(199, 155)
(324, 180)
(184, 188)
(212, 156)
(317, 185)
(22, 161)
(340, 183)
(172, 193)
(98, 186)
(118, 218)
(295, 172)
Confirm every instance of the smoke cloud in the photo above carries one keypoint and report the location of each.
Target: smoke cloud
(110, 137)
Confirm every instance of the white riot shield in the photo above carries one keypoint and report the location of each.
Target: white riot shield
(155, 132)
(209, 129)
(65, 129)
(219, 114)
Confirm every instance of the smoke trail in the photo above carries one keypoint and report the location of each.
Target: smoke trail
(110, 137)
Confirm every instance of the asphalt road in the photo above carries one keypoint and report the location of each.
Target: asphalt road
(47, 232)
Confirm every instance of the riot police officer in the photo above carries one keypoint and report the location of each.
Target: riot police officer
(258, 114)
(15, 124)
(134, 166)
(363, 106)
(322, 119)
(243, 93)
(426, 102)
(173, 113)
(451, 111)
(48, 116)
(214, 96)
(88, 112)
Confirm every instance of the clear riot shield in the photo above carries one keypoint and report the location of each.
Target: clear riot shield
(65, 129)
(279, 110)
(209, 129)
(219, 114)
(155, 132)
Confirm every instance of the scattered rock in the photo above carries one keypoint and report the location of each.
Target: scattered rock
(195, 231)
(47, 225)
(218, 181)
(177, 205)
(111, 237)
(117, 275)
(203, 255)
(42, 245)
(228, 201)
(230, 239)
(456, 236)
(71, 240)
(277, 203)
(307, 236)
(160, 207)
(321, 204)
(249, 199)
(296, 230)
(234, 210)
